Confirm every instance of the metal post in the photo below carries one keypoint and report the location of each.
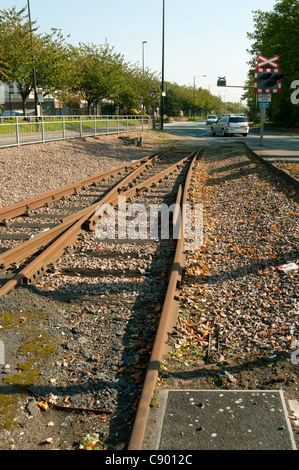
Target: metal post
(63, 127)
(43, 130)
(262, 111)
(143, 42)
(17, 131)
(33, 59)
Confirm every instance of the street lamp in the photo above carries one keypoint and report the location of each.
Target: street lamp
(143, 42)
(195, 76)
(33, 59)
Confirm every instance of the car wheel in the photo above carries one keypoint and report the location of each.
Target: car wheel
(213, 132)
(244, 135)
(223, 133)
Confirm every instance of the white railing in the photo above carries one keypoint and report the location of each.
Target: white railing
(18, 130)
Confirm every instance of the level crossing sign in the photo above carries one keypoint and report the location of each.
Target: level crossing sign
(267, 80)
(264, 61)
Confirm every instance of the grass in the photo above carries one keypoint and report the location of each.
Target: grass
(58, 125)
(85, 126)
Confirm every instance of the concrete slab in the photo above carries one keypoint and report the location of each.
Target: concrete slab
(276, 147)
(294, 407)
(222, 420)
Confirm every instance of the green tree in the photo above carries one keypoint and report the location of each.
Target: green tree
(49, 58)
(276, 33)
(17, 51)
(136, 83)
(173, 103)
(99, 71)
(56, 71)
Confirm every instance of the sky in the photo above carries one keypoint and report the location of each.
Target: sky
(201, 37)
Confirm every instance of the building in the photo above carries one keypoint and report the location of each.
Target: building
(11, 103)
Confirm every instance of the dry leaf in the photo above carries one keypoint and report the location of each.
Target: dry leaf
(103, 417)
(43, 405)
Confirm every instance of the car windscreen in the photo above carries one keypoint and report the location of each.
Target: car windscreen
(237, 119)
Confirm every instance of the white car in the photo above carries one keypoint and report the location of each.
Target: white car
(211, 119)
(230, 125)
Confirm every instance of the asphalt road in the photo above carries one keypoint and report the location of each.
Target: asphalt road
(276, 145)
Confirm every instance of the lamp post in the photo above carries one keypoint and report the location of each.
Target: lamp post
(163, 46)
(195, 76)
(143, 42)
(33, 59)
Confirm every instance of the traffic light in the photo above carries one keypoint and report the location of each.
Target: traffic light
(221, 81)
(269, 81)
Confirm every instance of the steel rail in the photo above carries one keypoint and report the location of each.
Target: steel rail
(144, 185)
(167, 320)
(23, 207)
(40, 241)
(52, 252)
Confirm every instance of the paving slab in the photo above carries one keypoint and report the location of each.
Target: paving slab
(282, 147)
(221, 420)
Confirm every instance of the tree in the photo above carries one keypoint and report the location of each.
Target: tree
(276, 33)
(17, 51)
(50, 59)
(99, 72)
(56, 70)
(136, 83)
(173, 103)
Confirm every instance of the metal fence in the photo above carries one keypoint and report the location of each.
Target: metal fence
(18, 130)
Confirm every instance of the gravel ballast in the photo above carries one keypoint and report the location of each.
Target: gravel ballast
(238, 324)
(31, 170)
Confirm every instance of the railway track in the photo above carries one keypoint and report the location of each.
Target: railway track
(60, 214)
(134, 279)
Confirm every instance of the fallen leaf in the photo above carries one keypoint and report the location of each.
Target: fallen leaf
(43, 405)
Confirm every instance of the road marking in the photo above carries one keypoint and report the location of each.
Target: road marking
(207, 132)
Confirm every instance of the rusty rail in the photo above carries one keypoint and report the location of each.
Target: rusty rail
(167, 321)
(33, 245)
(23, 207)
(74, 224)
